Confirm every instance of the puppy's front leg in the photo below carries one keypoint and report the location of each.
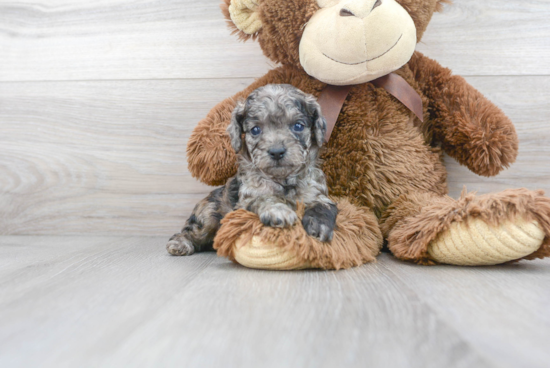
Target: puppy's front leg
(319, 219)
(272, 211)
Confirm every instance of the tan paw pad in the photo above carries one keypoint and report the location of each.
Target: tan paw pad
(475, 243)
(261, 255)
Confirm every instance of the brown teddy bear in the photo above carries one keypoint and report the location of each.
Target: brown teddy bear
(394, 113)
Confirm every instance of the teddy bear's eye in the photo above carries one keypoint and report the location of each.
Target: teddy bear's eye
(256, 130)
(298, 127)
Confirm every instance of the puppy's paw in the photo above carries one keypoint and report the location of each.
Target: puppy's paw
(180, 246)
(319, 221)
(317, 229)
(278, 215)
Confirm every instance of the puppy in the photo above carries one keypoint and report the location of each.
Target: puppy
(277, 133)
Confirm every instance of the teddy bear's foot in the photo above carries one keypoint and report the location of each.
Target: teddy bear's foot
(256, 253)
(473, 230)
(244, 239)
(475, 243)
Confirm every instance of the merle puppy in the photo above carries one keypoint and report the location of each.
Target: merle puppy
(277, 133)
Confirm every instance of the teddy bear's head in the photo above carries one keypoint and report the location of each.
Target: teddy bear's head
(339, 42)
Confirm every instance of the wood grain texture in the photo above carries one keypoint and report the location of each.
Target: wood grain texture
(525, 101)
(101, 157)
(115, 302)
(121, 39)
(491, 37)
(108, 157)
(510, 320)
(129, 39)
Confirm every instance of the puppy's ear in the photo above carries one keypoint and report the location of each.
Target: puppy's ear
(235, 128)
(319, 126)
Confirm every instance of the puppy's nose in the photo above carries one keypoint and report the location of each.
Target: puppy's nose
(277, 153)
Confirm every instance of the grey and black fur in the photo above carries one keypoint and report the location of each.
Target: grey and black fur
(277, 133)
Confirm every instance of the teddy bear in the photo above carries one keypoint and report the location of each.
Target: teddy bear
(392, 113)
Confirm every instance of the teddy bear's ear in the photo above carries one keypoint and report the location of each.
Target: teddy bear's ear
(243, 16)
(439, 5)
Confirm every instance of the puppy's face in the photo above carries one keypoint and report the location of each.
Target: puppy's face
(282, 127)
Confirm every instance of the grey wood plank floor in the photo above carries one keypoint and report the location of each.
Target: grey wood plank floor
(122, 301)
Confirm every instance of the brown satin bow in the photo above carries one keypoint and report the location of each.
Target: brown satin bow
(332, 98)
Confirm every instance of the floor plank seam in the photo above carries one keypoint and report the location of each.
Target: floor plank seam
(229, 78)
(483, 357)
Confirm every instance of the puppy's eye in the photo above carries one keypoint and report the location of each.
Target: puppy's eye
(256, 130)
(298, 127)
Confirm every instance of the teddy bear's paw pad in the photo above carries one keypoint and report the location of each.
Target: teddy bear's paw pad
(262, 255)
(475, 243)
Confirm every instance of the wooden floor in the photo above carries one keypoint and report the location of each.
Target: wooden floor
(120, 301)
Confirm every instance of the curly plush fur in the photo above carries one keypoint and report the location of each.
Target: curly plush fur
(415, 220)
(380, 155)
(357, 238)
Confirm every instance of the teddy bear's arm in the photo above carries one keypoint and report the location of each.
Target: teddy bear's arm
(210, 157)
(470, 128)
